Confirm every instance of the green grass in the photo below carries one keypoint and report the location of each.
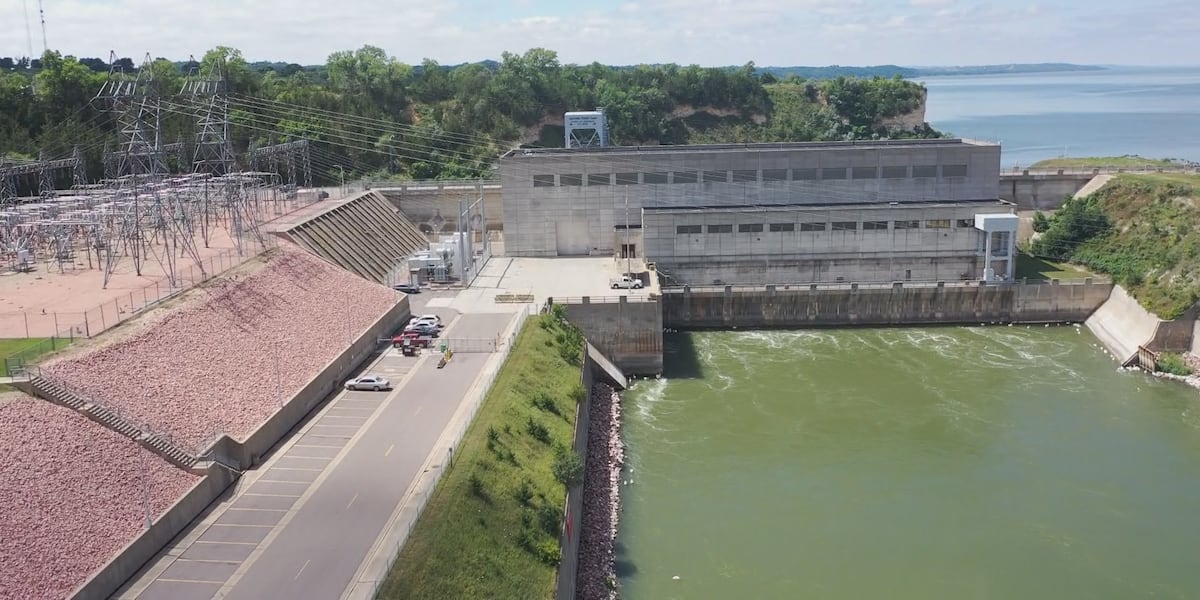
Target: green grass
(1129, 161)
(1143, 230)
(29, 349)
(491, 527)
(1030, 267)
(1173, 363)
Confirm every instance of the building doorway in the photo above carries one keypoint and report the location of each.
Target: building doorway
(628, 250)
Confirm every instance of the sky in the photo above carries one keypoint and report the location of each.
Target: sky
(704, 32)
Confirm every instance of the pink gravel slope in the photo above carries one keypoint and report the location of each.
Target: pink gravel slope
(223, 363)
(73, 494)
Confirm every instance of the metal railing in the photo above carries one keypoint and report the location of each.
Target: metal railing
(846, 285)
(1149, 168)
(431, 184)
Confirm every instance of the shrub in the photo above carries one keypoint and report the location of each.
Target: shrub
(548, 553)
(493, 438)
(1040, 222)
(549, 518)
(538, 431)
(524, 492)
(544, 401)
(1170, 362)
(568, 467)
(477, 488)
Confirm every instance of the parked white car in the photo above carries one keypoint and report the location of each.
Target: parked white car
(433, 320)
(368, 382)
(625, 282)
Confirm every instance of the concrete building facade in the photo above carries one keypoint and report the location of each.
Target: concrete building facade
(890, 210)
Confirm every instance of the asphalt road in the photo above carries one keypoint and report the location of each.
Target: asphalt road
(304, 525)
(317, 553)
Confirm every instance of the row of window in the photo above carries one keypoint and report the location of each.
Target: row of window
(750, 175)
(826, 226)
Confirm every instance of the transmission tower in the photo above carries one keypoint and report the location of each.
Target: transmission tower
(136, 105)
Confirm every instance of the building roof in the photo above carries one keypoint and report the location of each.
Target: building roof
(762, 147)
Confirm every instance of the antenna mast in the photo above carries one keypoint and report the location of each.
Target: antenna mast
(28, 35)
(42, 15)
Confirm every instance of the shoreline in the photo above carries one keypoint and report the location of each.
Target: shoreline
(596, 577)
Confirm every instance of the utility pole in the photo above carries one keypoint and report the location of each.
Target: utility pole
(628, 258)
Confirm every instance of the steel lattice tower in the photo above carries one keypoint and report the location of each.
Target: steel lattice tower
(136, 106)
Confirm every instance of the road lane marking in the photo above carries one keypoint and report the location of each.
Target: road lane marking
(418, 411)
(301, 569)
(294, 469)
(271, 495)
(352, 501)
(189, 580)
(258, 509)
(389, 451)
(237, 543)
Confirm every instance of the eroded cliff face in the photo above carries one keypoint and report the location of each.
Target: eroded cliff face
(908, 121)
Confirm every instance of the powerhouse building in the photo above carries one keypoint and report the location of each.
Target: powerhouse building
(878, 211)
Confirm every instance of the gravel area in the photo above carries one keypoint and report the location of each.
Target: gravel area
(596, 578)
(73, 493)
(223, 361)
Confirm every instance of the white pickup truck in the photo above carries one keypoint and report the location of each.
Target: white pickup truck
(625, 282)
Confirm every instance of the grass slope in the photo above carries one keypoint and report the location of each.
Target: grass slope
(1030, 267)
(28, 349)
(1129, 161)
(491, 527)
(1150, 242)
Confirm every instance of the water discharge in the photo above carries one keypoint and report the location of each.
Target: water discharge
(998, 462)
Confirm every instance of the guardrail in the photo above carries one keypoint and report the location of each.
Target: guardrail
(600, 299)
(684, 289)
(432, 184)
(1019, 172)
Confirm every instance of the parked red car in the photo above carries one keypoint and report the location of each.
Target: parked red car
(413, 338)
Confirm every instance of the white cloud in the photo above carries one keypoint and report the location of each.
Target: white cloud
(718, 32)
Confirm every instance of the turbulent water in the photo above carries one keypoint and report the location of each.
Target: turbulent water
(1152, 112)
(1000, 462)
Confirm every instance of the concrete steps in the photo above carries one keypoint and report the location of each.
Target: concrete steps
(59, 394)
(366, 236)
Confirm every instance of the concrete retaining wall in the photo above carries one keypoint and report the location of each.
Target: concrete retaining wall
(1121, 324)
(896, 304)
(1041, 191)
(628, 332)
(109, 578)
(247, 453)
(569, 538)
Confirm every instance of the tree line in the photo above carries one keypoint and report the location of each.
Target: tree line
(367, 113)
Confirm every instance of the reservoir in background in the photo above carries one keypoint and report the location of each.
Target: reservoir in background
(1150, 111)
(954, 462)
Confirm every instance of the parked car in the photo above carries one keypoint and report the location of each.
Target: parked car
(423, 328)
(368, 382)
(407, 288)
(412, 338)
(625, 282)
(433, 320)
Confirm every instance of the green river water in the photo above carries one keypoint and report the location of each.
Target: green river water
(998, 463)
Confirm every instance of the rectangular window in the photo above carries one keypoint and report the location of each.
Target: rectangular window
(599, 178)
(924, 171)
(875, 225)
(683, 177)
(937, 224)
(685, 229)
(812, 226)
(778, 227)
(745, 176)
(954, 170)
(720, 228)
(864, 173)
(966, 223)
(913, 224)
(654, 177)
(895, 172)
(833, 173)
(627, 178)
(804, 174)
(573, 179)
(543, 181)
(749, 227)
(845, 226)
(716, 176)
(774, 174)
